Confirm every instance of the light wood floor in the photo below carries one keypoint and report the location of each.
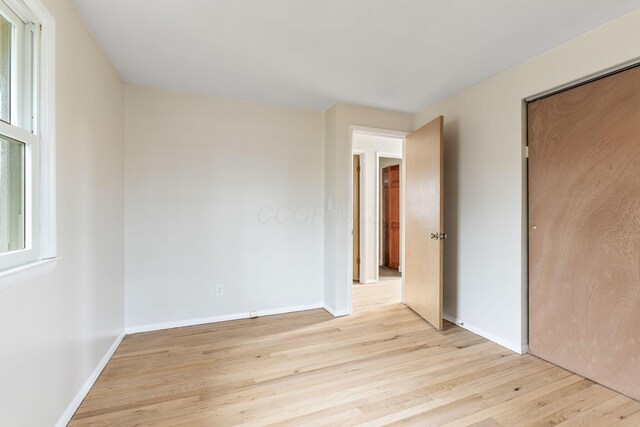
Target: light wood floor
(382, 365)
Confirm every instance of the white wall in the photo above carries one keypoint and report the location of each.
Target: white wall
(220, 191)
(57, 322)
(338, 188)
(485, 197)
(368, 145)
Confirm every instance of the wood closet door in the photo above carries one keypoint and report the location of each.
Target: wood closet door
(385, 217)
(584, 230)
(393, 207)
(391, 216)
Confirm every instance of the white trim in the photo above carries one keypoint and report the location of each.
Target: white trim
(86, 387)
(82, 393)
(293, 309)
(40, 205)
(517, 348)
(378, 131)
(388, 154)
(21, 10)
(23, 268)
(584, 80)
(215, 319)
(18, 134)
(336, 313)
(46, 126)
(8, 12)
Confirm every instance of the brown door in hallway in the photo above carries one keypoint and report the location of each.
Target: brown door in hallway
(391, 216)
(424, 221)
(356, 218)
(584, 230)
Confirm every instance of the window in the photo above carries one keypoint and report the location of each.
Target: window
(21, 139)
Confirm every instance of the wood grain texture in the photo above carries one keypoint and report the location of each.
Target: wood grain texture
(385, 217)
(424, 197)
(391, 216)
(382, 365)
(584, 234)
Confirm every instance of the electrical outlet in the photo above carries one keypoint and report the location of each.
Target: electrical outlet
(219, 290)
(253, 314)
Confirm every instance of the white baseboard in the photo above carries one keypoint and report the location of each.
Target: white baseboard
(520, 349)
(336, 313)
(79, 397)
(82, 393)
(216, 319)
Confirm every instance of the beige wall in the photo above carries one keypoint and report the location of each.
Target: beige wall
(221, 192)
(56, 323)
(485, 210)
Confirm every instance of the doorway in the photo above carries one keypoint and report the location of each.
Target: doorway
(421, 212)
(375, 153)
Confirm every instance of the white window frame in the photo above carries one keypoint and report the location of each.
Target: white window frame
(34, 126)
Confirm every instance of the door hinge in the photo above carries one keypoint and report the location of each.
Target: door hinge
(358, 261)
(526, 151)
(358, 168)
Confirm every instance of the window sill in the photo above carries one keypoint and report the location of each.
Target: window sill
(12, 276)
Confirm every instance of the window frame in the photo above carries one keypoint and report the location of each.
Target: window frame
(33, 124)
(31, 198)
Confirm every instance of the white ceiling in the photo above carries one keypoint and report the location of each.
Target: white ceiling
(395, 54)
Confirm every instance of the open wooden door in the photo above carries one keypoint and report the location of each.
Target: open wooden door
(356, 218)
(424, 229)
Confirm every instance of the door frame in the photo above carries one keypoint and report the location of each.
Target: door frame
(389, 155)
(349, 188)
(362, 237)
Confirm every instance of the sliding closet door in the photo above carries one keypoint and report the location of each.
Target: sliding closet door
(584, 230)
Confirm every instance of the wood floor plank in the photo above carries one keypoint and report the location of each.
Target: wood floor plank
(380, 366)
